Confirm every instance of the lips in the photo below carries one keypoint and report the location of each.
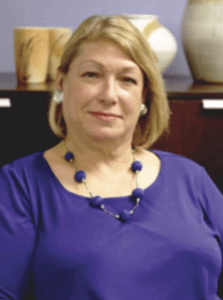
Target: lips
(103, 114)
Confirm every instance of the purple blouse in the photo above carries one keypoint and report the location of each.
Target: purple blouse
(54, 245)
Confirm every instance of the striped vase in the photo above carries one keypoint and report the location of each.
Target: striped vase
(160, 38)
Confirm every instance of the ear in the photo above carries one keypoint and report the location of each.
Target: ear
(59, 81)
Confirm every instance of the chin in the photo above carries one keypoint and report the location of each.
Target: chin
(110, 138)
(110, 134)
(105, 138)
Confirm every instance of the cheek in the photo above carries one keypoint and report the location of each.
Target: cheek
(76, 101)
(133, 102)
(74, 98)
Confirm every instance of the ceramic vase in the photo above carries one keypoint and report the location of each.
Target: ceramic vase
(58, 37)
(161, 40)
(202, 38)
(31, 48)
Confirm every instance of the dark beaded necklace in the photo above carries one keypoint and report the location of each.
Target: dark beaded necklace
(97, 201)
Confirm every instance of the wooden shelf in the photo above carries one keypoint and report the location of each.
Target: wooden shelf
(8, 82)
(185, 87)
(176, 87)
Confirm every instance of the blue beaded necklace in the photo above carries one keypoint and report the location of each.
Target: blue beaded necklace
(97, 201)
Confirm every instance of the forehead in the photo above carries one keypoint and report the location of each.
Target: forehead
(104, 53)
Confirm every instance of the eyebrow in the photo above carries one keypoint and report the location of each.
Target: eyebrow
(124, 69)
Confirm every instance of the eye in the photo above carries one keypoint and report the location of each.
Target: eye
(130, 80)
(90, 74)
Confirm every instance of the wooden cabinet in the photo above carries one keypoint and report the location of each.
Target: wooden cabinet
(194, 132)
(23, 126)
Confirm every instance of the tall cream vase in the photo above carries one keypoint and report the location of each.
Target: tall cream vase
(202, 38)
(161, 40)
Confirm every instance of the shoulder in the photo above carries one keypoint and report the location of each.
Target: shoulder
(184, 171)
(170, 166)
(23, 162)
(169, 169)
(176, 161)
(21, 181)
(22, 168)
(184, 174)
(177, 170)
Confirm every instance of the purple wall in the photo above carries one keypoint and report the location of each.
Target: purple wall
(68, 13)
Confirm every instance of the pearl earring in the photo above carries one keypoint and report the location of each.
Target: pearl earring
(143, 110)
(58, 96)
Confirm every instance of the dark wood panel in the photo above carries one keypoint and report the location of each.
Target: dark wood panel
(24, 127)
(197, 134)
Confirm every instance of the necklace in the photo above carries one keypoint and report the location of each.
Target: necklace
(97, 201)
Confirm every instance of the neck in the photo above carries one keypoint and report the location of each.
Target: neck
(94, 157)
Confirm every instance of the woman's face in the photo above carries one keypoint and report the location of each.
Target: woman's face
(103, 92)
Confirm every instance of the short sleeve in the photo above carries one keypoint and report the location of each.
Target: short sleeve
(17, 235)
(211, 200)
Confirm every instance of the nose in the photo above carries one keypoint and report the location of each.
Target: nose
(109, 91)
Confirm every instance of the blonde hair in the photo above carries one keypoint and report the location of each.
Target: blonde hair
(120, 31)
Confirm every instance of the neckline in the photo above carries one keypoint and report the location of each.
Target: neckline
(60, 185)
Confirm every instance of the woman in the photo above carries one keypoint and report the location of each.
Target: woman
(98, 216)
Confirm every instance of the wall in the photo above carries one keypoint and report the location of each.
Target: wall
(69, 13)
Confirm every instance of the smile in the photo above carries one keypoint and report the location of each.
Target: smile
(104, 116)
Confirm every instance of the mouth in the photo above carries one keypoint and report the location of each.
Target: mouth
(103, 116)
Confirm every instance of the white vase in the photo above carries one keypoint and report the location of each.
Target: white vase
(202, 38)
(161, 40)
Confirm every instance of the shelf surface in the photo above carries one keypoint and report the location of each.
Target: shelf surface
(176, 87)
(8, 82)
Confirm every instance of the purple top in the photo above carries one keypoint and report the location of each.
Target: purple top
(52, 242)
